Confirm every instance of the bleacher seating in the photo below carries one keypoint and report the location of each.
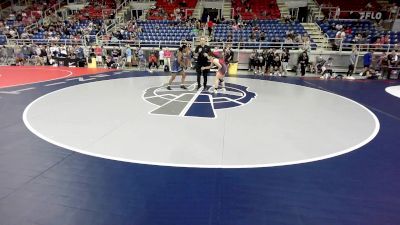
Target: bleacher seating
(73, 29)
(275, 31)
(349, 5)
(168, 7)
(364, 27)
(161, 30)
(267, 9)
(96, 11)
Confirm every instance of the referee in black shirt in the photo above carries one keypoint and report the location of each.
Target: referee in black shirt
(202, 61)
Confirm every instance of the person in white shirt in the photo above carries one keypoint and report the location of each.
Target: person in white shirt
(54, 50)
(393, 11)
(161, 57)
(340, 35)
(337, 13)
(327, 69)
(63, 51)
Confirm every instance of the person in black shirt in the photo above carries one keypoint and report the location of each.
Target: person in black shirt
(384, 63)
(252, 60)
(303, 61)
(183, 4)
(276, 66)
(202, 61)
(285, 60)
(269, 58)
(260, 62)
(110, 62)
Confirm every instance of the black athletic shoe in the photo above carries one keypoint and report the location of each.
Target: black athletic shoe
(198, 87)
(183, 87)
(169, 88)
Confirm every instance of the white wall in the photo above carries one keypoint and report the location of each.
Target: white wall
(296, 3)
(396, 25)
(213, 5)
(141, 5)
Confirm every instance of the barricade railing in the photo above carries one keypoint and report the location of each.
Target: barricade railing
(52, 9)
(335, 44)
(329, 9)
(362, 47)
(46, 42)
(122, 5)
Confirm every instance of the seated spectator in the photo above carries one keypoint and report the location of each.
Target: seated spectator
(378, 43)
(262, 36)
(116, 53)
(256, 29)
(183, 3)
(248, 8)
(386, 39)
(230, 35)
(393, 58)
(252, 37)
(110, 63)
(153, 61)
(235, 27)
(348, 30)
(288, 40)
(358, 39)
(340, 35)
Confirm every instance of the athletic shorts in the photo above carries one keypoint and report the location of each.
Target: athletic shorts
(223, 69)
(176, 68)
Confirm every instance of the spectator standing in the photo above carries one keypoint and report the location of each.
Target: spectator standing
(161, 57)
(276, 66)
(167, 56)
(116, 53)
(128, 52)
(393, 11)
(340, 35)
(98, 51)
(252, 60)
(367, 60)
(353, 58)
(201, 53)
(392, 62)
(210, 25)
(303, 61)
(285, 60)
(384, 65)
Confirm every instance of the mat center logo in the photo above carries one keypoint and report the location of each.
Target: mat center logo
(196, 103)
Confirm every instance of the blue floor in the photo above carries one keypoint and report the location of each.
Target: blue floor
(42, 184)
